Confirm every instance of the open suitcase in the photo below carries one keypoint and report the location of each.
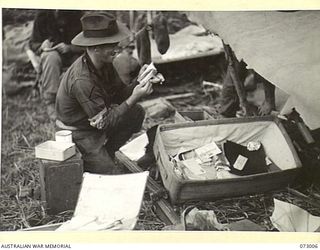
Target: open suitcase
(171, 138)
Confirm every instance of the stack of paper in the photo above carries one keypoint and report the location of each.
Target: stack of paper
(287, 217)
(108, 202)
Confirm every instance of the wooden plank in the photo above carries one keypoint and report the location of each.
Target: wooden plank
(304, 197)
(166, 213)
(178, 96)
(163, 208)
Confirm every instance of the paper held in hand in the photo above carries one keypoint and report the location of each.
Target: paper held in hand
(150, 72)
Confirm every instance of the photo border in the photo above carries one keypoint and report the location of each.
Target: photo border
(165, 236)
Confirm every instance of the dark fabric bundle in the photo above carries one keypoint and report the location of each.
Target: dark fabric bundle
(143, 40)
(255, 163)
(160, 32)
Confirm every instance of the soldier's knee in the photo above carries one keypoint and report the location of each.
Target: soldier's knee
(136, 117)
(139, 112)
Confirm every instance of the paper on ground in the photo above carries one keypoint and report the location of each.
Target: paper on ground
(108, 202)
(135, 149)
(290, 218)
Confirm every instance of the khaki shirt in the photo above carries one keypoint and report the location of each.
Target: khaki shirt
(84, 92)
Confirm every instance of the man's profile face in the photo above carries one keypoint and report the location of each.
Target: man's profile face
(107, 52)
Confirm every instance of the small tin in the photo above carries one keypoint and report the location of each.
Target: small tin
(64, 136)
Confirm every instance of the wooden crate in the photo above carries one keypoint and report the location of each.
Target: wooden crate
(194, 115)
(55, 151)
(275, 140)
(60, 183)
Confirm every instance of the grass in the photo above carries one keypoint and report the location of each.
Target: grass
(26, 124)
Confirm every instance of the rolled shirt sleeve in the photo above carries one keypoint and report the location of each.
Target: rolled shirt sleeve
(92, 100)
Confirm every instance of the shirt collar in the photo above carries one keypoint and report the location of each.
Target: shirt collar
(91, 67)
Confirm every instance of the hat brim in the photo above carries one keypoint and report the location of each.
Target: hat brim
(81, 40)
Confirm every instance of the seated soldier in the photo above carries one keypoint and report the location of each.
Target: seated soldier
(93, 102)
(236, 79)
(51, 40)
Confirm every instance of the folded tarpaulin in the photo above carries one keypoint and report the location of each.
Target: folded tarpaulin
(190, 42)
(283, 47)
(16, 39)
(108, 202)
(290, 218)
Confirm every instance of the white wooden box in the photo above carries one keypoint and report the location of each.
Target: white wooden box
(56, 151)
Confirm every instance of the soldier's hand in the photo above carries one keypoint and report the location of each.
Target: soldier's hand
(141, 90)
(138, 92)
(154, 79)
(143, 68)
(46, 44)
(249, 109)
(265, 108)
(63, 48)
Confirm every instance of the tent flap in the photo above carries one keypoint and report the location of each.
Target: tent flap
(283, 47)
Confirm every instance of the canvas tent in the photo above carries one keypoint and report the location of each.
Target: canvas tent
(281, 46)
